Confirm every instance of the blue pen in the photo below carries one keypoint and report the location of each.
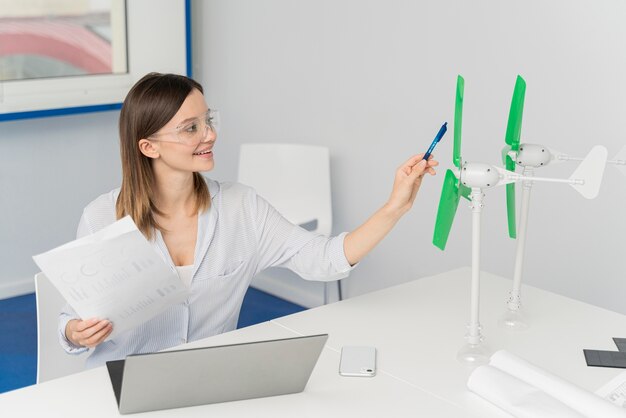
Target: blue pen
(438, 137)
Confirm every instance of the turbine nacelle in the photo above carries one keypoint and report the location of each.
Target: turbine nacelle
(479, 175)
(532, 155)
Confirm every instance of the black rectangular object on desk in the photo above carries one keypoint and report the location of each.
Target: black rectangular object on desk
(601, 358)
(620, 343)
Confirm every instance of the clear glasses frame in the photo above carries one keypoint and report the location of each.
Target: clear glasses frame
(193, 131)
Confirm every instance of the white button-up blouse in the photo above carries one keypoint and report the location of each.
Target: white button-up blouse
(238, 236)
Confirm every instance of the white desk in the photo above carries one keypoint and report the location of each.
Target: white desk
(417, 327)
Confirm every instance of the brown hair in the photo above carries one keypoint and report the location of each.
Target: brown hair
(150, 104)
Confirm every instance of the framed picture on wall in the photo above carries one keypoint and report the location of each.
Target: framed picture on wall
(74, 56)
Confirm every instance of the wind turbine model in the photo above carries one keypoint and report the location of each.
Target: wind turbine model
(468, 181)
(531, 157)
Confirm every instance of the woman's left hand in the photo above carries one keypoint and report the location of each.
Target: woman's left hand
(408, 181)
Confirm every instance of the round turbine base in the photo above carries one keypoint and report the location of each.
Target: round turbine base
(473, 354)
(514, 320)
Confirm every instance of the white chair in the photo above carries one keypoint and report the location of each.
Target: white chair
(295, 179)
(52, 360)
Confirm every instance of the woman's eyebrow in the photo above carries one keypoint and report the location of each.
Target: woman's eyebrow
(187, 120)
(191, 118)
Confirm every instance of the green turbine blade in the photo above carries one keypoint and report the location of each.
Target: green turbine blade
(510, 195)
(509, 164)
(510, 199)
(512, 138)
(514, 125)
(465, 191)
(448, 203)
(510, 209)
(458, 121)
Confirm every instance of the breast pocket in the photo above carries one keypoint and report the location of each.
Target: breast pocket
(220, 272)
(221, 286)
(231, 270)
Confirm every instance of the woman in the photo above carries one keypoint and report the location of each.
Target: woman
(217, 235)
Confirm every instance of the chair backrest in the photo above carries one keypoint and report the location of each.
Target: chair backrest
(52, 360)
(295, 179)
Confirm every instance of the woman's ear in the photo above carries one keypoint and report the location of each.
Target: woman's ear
(148, 148)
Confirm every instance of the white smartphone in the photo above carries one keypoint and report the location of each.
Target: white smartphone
(358, 361)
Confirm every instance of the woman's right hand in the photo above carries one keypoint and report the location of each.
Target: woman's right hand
(88, 333)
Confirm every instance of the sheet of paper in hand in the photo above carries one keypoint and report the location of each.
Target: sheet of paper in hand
(113, 274)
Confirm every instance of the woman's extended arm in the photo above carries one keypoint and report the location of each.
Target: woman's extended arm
(405, 187)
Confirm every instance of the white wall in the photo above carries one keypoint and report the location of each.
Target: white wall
(50, 169)
(373, 80)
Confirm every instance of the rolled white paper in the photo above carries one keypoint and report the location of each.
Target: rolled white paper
(525, 390)
(516, 397)
(577, 398)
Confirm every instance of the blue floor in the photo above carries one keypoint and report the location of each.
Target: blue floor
(18, 332)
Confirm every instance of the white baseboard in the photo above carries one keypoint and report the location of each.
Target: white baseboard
(287, 285)
(17, 288)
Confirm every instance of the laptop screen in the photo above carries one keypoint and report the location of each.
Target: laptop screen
(116, 373)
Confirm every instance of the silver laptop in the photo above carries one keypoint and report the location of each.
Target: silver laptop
(173, 379)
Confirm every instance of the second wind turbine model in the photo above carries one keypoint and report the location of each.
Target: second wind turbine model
(532, 157)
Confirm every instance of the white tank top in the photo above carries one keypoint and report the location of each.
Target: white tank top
(184, 273)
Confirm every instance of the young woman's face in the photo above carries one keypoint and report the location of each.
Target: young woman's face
(186, 142)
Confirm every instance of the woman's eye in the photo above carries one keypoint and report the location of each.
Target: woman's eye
(191, 128)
